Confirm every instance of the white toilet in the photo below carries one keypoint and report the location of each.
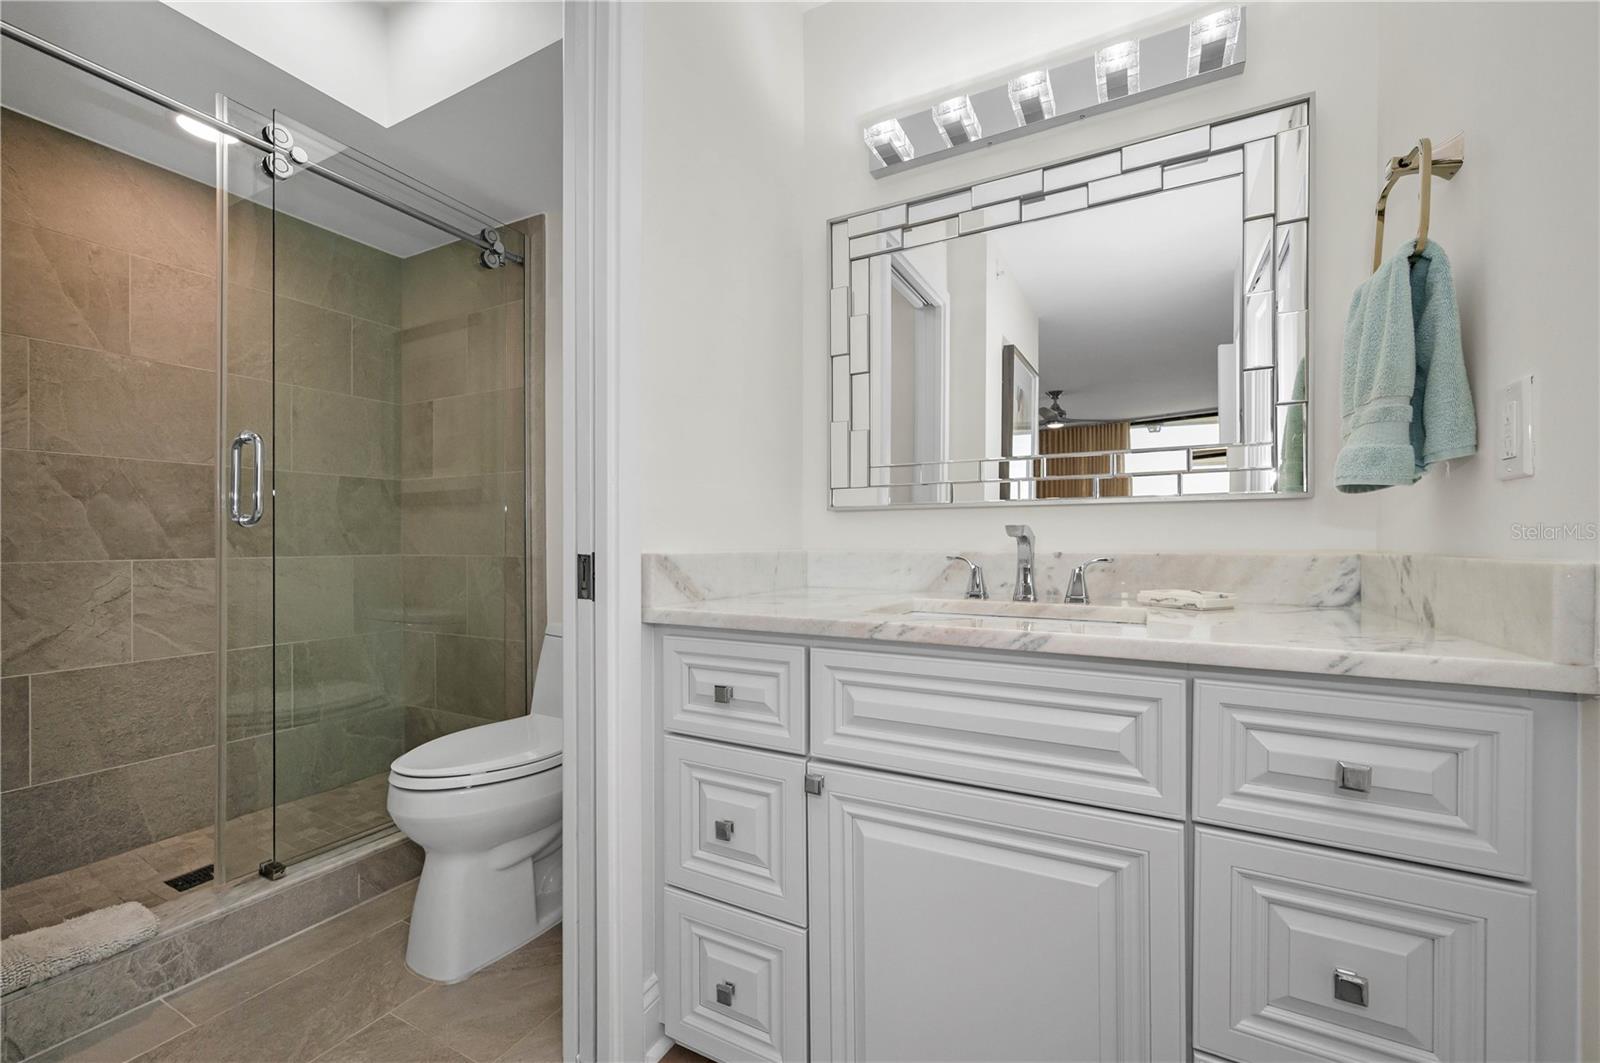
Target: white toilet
(485, 806)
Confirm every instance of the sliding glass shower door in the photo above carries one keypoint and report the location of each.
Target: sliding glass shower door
(377, 382)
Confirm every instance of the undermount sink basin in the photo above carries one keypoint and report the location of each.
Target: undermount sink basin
(932, 608)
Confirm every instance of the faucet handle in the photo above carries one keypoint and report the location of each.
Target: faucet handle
(976, 588)
(1077, 586)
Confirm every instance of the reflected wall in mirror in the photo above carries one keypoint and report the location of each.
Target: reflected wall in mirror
(1131, 325)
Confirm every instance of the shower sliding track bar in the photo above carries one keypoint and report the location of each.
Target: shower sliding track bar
(90, 67)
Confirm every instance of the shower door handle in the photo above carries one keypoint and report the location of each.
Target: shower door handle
(245, 520)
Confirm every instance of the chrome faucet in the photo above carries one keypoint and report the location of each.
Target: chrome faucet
(976, 588)
(1077, 588)
(1024, 537)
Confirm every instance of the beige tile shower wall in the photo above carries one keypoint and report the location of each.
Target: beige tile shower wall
(107, 560)
(471, 369)
(108, 369)
(322, 388)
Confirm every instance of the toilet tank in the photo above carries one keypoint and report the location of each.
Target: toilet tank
(546, 699)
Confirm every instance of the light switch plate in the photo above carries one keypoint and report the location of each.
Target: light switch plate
(1514, 438)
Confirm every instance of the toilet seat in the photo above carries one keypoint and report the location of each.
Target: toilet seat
(479, 756)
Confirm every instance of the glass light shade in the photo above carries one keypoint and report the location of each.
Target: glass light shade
(1116, 70)
(1213, 39)
(1031, 98)
(957, 121)
(199, 129)
(888, 142)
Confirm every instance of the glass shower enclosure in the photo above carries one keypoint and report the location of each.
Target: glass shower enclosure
(373, 539)
(264, 471)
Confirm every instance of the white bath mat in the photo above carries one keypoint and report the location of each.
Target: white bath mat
(40, 954)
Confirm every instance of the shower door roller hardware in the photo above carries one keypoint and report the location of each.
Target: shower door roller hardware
(285, 154)
(724, 830)
(725, 994)
(1357, 778)
(494, 250)
(586, 577)
(1349, 987)
(813, 783)
(235, 514)
(722, 694)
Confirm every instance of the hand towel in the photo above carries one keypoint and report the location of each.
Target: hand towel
(1404, 397)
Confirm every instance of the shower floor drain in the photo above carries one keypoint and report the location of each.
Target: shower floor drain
(190, 879)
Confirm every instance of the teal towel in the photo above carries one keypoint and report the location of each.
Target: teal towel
(1404, 399)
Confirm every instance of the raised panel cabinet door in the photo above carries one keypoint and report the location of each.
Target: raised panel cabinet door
(1308, 954)
(1102, 737)
(954, 924)
(1434, 779)
(735, 826)
(734, 690)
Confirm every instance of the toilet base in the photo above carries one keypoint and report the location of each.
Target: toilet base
(472, 909)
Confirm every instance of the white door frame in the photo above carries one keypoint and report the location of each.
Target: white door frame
(603, 883)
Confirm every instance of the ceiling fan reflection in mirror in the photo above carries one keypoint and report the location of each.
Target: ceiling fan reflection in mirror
(1053, 416)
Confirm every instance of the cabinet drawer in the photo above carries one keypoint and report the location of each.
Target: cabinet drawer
(736, 983)
(1104, 738)
(1306, 954)
(735, 826)
(1445, 782)
(752, 693)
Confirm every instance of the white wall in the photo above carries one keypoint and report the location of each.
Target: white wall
(862, 57)
(1521, 224)
(720, 274)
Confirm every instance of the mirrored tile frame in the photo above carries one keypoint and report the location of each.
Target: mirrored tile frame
(1265, 425)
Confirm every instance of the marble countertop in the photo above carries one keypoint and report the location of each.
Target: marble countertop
(1289, 638)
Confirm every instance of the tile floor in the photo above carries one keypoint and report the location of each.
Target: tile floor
(340, 992)
(139, 874)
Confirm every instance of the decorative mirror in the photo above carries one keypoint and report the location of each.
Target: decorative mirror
(1131, 325)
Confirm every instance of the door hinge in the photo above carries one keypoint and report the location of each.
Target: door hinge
(586, 577)
(813, 784)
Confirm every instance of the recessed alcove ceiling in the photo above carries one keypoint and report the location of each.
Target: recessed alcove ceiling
(464, 97)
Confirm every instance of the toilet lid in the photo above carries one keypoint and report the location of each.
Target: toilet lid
(506, 749)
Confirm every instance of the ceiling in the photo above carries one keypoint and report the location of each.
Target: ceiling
(494, 143)
(1132, 298)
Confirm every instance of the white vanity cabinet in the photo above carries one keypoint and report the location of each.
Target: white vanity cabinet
(950, 923)
(884, 852)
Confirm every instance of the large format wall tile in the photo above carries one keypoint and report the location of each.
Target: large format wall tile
(435, 591)
(477, 433)
(459, 515)
(496, 339)
(356, 674)
(375, 360)
(250, 601)
(314, 598)
(311, 346)
(343, 434)
(63, 507)
(316, 266)
(77, 821)
(450, 280)
(496, 597)
(249, 330)
(172, 314)
(254, 690)
(13, 391)
(434, 360)
(68, 615)
(322, 514)
(416, 440)
(13, 732)
(53, 287)
(56, 180)
(174, 608)
(88, 402)
(97, 718)
(479, 677)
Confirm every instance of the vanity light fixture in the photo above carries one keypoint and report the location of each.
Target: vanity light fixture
(1056, 89)
(1031, 98)
(1116, 70)
(888, 141)
(957, 121)
(1212, 40)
